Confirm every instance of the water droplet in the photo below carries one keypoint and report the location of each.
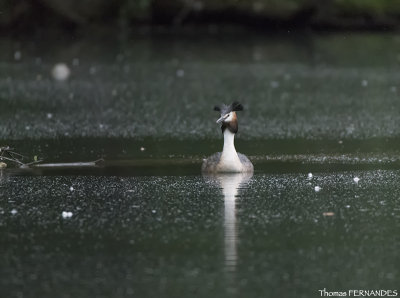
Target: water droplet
(61, 72)
(17, 55)
(75, 62)
(66, 214)
(274, 84)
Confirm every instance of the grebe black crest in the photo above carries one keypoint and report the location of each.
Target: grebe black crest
(228, 161)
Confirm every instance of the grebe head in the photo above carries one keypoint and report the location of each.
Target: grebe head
(228, 116)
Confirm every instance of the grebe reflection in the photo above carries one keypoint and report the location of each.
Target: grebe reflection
(230, 185)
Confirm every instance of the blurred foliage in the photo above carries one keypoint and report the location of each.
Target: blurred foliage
(334, 13)
(371, 7)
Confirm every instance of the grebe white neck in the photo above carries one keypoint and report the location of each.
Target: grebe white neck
(229, 143)
(229, 161)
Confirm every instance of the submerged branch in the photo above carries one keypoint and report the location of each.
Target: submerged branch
(95, 163)
(7, 154)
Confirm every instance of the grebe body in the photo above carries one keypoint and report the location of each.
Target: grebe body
(228, 161)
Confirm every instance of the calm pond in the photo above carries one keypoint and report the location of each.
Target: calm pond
(321, 125)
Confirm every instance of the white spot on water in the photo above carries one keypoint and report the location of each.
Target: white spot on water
(356, 179)
(66, 214)
(49, 115)
(350, 129)
(364, 83)
(142, 149)
(71, 188)
(180, 73)
(257, 55)
(317, 188)
(309, 175)
(153, 211)
(274, 84)
(14, 211)
(17, 55)
(119, 58)
(61, 72)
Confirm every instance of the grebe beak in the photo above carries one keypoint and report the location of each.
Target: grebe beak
(222, 118)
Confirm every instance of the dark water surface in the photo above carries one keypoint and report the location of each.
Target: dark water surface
(145, 222)
(270, 235)
(326, 86)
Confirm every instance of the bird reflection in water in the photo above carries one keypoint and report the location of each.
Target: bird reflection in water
(230, 185)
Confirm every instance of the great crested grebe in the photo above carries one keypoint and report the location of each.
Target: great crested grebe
(229, 161)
